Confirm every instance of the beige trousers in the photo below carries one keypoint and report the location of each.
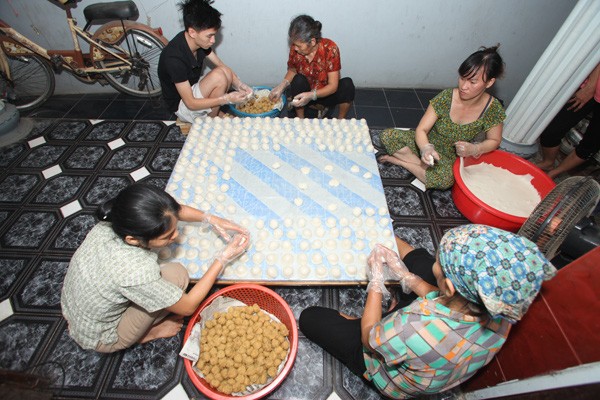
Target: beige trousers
(136, 321)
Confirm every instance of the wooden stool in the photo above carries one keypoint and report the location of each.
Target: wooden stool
(184, 126)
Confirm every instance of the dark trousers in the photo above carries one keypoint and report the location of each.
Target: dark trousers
(341, 337)
(565, 120)
(344, 94)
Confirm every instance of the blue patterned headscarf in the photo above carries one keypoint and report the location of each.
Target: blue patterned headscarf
(499, 269)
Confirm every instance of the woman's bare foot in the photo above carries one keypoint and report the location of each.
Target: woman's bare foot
(386, 158)
(545, 165)
(166, 328)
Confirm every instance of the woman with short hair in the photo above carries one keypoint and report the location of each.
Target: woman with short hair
(313, 74)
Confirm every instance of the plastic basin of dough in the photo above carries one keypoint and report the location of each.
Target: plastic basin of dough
(479, 212)
(268, 301)
(273, 113)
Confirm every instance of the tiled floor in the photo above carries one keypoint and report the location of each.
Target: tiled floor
(50, 185)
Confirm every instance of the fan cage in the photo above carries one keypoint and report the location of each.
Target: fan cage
(552, 220)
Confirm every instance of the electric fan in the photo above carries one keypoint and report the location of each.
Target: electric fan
(554, 217)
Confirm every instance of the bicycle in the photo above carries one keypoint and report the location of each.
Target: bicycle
(122, 53)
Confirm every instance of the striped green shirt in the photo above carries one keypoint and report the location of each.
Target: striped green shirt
(105, 276)
(427, 348)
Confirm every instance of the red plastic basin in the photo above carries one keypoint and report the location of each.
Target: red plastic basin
(479, 212)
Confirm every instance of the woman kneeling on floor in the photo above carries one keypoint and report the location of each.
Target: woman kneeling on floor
(456, 318)
(115, 293)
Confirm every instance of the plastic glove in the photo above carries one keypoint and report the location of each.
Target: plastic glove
(375, 273)
(466, 149)
(242, 87)
(233, 98)
(302, 99)
(397, 268)
(221, 226)
(428, 154)
(278, 90)
(238, 245)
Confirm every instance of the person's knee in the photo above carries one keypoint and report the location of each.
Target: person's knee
(346, 90)
(176, 273)
(222, 75)
(299, 84)
(308, 319)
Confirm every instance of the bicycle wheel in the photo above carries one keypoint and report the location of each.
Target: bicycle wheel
(31, 84)
(142, 79)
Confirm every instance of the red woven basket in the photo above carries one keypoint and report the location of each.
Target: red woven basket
(268, 301)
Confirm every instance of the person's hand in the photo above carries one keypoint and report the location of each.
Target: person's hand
(375, 272)
(581, 97)
(223, 226)
(428, 154)
(243, 88)
(466, 149)
(397, 268)
(233, 98)
(302, 99)
(277, 91)
(236, 247)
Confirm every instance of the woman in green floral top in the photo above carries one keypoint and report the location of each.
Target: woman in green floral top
(452, 120)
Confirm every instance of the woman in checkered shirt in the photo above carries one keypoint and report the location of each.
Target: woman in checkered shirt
(115, 293)
(453, 317)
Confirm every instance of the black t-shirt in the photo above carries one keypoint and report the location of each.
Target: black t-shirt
(178, 64)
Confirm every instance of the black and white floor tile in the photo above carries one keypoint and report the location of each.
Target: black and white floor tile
(78, 156)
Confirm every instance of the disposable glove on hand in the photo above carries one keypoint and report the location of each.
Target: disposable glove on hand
(243, 88)
(233, 98)
(222, 226)
(466, 149)
(236, 247)
(375, 273)
(302, 99)
(428, 154)
(277, 91)
(397, 268)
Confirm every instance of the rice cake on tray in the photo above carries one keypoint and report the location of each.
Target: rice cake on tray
(308, 190)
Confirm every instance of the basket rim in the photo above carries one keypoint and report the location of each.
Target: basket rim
(287, 366)
(233, 107)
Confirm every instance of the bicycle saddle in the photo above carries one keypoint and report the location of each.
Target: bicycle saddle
(114, 10)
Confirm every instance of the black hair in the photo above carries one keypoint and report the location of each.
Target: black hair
(200, 15)
(486, 58)
(304, 28)
(142, 211)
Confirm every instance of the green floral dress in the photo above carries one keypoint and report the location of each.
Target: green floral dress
(443, 135)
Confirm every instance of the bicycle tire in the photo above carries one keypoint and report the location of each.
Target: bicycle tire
(145, 62)
(32, 81)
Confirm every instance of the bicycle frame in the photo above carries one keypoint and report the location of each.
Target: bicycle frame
(75, 60)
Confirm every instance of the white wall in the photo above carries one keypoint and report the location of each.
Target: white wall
(384, 43)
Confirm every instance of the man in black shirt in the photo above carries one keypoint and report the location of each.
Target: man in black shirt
(180, 67)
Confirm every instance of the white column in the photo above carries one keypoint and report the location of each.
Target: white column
(564, 65)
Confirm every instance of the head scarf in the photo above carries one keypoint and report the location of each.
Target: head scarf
(499, 269)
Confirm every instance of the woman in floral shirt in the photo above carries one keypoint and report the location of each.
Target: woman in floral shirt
(452, 120)
(313, 73)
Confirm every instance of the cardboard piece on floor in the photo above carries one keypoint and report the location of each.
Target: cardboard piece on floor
(418, 184)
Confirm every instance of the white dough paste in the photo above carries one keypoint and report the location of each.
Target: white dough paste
(501, 189)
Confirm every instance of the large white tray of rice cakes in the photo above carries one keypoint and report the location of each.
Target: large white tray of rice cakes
(308, 190)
